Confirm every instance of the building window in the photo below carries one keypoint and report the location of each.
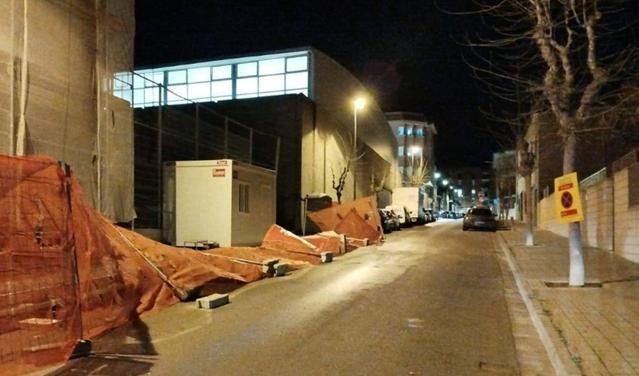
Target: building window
(298, 63)
(400, 151)
(222, 72)
(400, 131)
(271, 66)
(222, 89)
(409, 131)
(199, 74)
(297, 80)
(247, 69)
(244, 198)
(246, 87)
(272, 83)
(419, 132)
(200, 82)
(177, 77)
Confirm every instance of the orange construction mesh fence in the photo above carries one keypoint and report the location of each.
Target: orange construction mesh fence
(67, 273)
(39, 306)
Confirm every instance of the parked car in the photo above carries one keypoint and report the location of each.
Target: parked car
(393, 219)
(429, 216)
(401, 213)
(479, 218)
(388, 222)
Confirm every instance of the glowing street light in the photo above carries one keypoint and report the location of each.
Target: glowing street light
(436, 203)
(358, 104)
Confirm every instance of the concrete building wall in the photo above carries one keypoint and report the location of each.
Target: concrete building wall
(57, 59)
(611, 222)
(334, 90)
(597, 228)
(626, 230)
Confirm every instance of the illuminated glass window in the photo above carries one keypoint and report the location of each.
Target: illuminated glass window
(177, 77)
(138, 97)
(153, 79)
(222, 88)
(138, 81)
(247, 69)
(238, 78)
(176, 94)
(271, 83)
(409, 131)
(122, 81)
(246, 86)
(297, 80)
(222, 72)
(419, 132)
(271, 66)
(199, 74)
(400, 151)
(152, 96)
(200, 90)
(126, 95)
(296, 63)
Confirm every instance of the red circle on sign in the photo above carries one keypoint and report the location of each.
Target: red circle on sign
(566, 200)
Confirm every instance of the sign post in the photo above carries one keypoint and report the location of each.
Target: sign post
(567, 199)
(569, 210)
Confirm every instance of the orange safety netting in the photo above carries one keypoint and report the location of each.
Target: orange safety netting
(339, 219)
(279, 239)
(354, 226)
(262, 255)
(67, 273)
(328, 241)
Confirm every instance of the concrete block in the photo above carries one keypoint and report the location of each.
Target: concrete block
(280, 269)
(327, 257)
(212, 301)
(268, 267)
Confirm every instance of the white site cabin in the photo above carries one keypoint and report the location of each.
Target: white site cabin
(217, 201)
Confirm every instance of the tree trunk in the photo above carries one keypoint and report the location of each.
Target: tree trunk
(577, 270)
(530, 240)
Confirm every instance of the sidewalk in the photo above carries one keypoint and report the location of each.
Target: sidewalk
(590, 330)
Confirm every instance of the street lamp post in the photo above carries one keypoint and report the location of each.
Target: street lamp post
(358, 104)
(436, 175)
(445, 194)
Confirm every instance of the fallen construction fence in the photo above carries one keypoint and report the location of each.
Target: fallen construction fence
(68, 274)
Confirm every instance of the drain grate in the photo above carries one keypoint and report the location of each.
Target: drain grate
(566, 285)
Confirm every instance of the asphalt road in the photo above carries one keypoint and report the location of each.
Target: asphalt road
(430, 301)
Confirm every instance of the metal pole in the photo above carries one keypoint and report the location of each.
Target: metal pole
(354, 158)
(197, 131)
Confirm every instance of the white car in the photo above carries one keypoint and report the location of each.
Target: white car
(400, 212)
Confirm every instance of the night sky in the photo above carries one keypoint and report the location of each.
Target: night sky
(407, 53)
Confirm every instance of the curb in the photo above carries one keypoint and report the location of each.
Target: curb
(524, 293)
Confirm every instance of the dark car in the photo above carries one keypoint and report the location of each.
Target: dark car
(388, 222)
(480, 218)
(429, 215)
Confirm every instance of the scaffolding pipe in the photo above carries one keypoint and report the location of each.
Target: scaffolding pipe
(22, 123)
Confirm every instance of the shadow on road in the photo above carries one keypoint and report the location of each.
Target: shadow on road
(127, 350)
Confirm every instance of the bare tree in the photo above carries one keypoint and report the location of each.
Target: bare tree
(418, 174)
(339, 185)
(566, 56)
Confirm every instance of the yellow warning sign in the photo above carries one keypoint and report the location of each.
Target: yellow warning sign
(568, 199)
